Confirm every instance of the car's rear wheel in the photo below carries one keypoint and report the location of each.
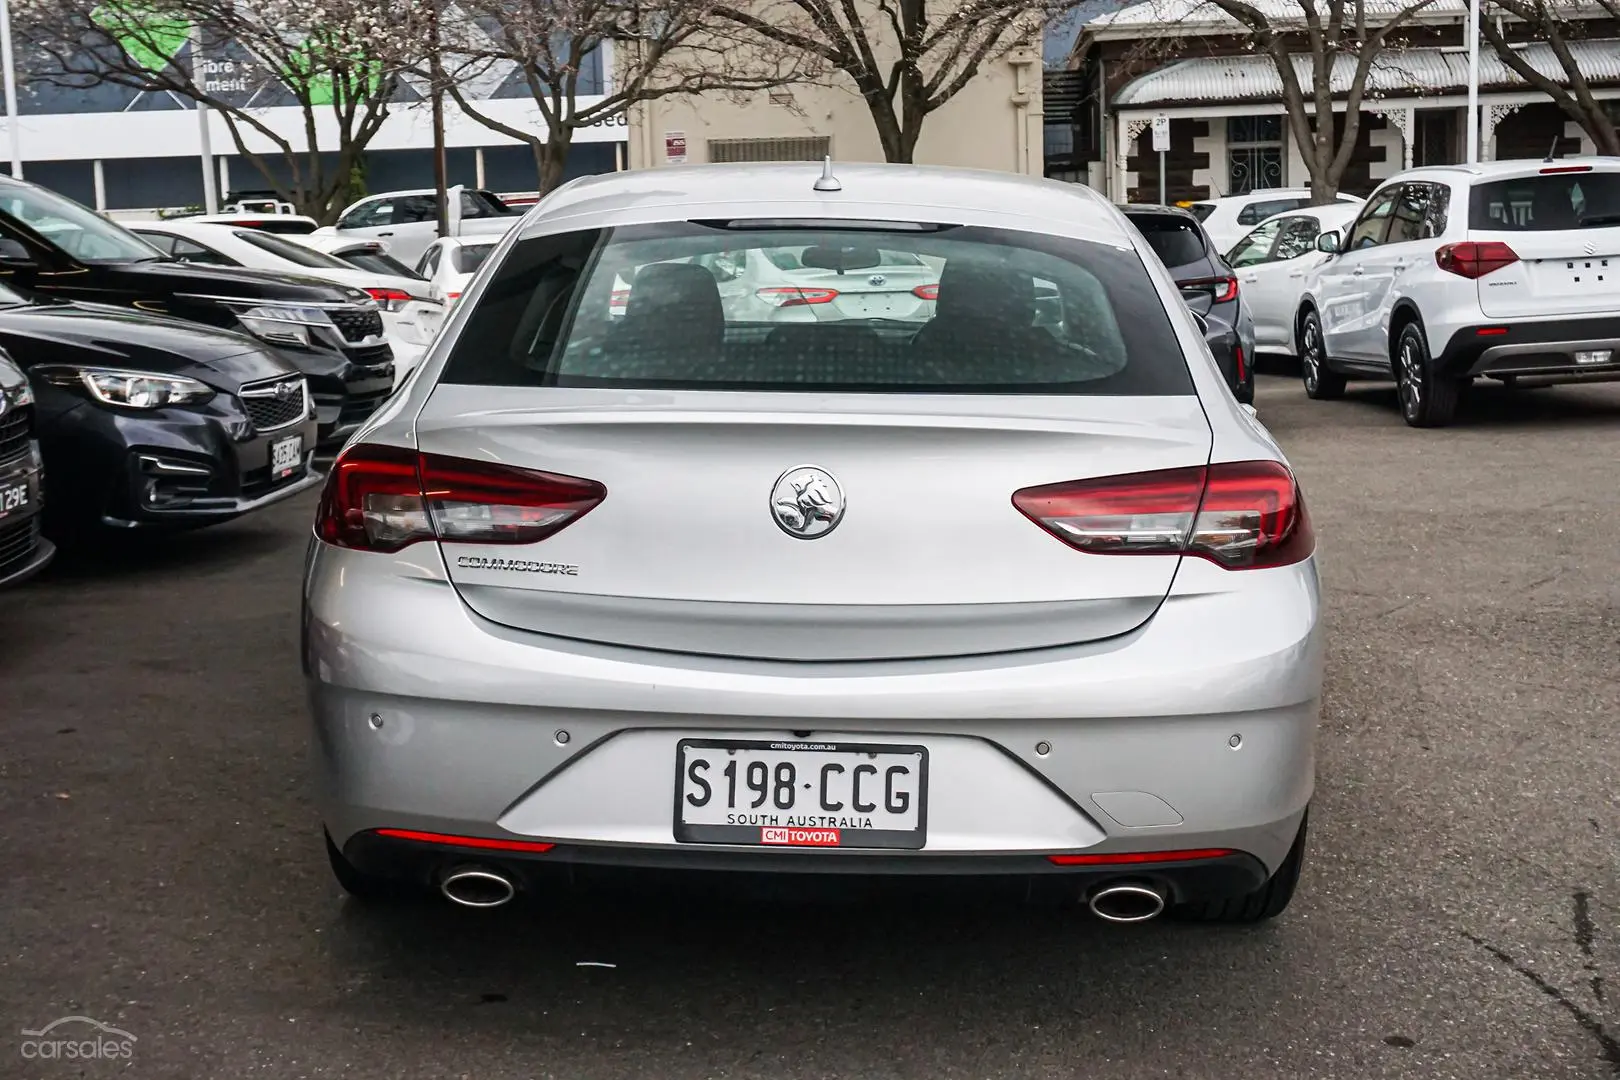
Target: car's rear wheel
(1321, 382)
(1266, 902)
(369, 888)
(1428, 399)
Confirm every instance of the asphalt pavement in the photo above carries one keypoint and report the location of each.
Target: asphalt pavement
(161, 868)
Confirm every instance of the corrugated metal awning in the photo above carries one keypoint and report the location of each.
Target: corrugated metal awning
(1397, 72)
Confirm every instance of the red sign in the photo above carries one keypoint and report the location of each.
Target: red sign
(675, 147)
(799, 837)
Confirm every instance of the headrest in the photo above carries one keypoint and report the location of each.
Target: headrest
(984, 291)
(680, 289)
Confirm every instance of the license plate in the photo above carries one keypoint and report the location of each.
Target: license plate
(1595, 356)
(15, 497)
(285, 456)
(801, 794)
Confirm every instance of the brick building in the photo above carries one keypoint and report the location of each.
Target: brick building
(1228, 127)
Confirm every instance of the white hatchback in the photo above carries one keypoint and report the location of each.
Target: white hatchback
(1273, 262)
(1226, 219)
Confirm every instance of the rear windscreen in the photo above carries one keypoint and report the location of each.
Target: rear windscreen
(1546, 203)
(469, 257)
(821, 308)
(1174, 239)
(1202, 210)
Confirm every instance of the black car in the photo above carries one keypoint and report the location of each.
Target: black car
(1207, 283)
(152, 422)
(24, 552)
(331, 333)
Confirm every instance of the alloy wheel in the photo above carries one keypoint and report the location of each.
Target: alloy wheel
(1410, 382)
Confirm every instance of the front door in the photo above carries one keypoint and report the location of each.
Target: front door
(1348, 292)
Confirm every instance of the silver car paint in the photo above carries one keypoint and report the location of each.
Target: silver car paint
(1138, 721)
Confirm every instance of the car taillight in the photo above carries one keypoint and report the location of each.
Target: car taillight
(390, 299)
(383, 498)
(926, 292)
(1241, 515)
(794, 296)
(1474, 260)
(1221, 288)
(1566, 169)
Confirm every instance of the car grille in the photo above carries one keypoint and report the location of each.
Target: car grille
(269, 409)
(356, 323)
(15, 432)
(370, 356)
(357, 407)
(17, 543)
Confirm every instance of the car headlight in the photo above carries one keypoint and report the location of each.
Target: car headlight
(282, 324)
(128, 389)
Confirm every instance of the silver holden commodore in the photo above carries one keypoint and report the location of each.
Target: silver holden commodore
(1006, 585)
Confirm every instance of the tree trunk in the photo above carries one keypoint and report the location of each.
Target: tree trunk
(552, 158)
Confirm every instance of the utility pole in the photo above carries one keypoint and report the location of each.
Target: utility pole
(13, 128)
(1473, 82)
(436, 72)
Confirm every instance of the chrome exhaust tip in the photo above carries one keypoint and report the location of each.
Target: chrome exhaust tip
(477, 887)
(1126, 903)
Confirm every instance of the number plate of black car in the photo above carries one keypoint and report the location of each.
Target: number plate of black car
(15, 497)
(801, 794)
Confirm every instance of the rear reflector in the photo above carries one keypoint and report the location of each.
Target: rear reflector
(1137, 858)
(926, 292)
(1474, 260)
(383, 498)
(794, 296)
(1240, 515)
(1221, 288)
(1491, 331)
(466, 841)
(1237, 350)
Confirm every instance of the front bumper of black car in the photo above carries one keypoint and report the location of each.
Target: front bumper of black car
(170, 468)
(347, 388)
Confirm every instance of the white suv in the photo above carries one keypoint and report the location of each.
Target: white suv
(1508, 270)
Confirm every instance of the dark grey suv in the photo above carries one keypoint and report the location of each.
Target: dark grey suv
(1207, 283)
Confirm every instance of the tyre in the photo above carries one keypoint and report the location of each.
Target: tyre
(1266, 902)
(1427, 398)
(368, 888)
(1321, 383)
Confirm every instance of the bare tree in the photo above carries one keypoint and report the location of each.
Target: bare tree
(1326, 49)
(337, 61)
(557, 51)
(1560, 24)
(907, 58)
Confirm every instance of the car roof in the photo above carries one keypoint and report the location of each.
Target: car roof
(866, 192)
(1502, 170)
(1327, 211)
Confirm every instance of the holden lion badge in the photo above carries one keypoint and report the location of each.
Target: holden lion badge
(807, 502)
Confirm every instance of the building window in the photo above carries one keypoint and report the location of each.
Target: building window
(1254, 153)
(805, 148)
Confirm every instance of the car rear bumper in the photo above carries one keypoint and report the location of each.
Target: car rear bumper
(1195, 731)
(1545, 351)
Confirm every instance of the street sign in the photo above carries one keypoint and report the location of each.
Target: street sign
(675, 147)
(1161, 133)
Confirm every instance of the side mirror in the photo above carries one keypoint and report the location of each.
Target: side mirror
(16, 257)
(1328, 243)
